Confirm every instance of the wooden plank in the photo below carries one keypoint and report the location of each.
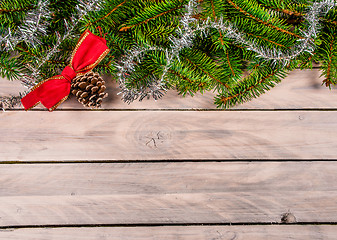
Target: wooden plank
(155, 135)
(281, 232)
(301, 89)
(166, 193)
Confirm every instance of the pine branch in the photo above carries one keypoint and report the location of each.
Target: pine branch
(213, 10)
(197, 66)
(329, 21)
(188, 83)
(299, 14)
(22, 9)
(153, 12)
(105, 16)
(10, 67)
(229, 64)
(259, 81)
(328, 52)
(288, 12)
(268, 24)
(268, 40)
(328, 80)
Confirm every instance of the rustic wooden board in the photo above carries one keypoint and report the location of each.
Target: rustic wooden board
(301, 89)
(166, 193)
(280, 232)
(155, 135)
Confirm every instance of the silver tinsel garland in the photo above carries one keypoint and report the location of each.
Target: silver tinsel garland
(34, 25)
(9, 102)
(191, 28)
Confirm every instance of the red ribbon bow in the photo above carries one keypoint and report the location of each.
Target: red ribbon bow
(89, 51)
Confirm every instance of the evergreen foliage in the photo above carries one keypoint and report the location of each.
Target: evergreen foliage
(214, 60)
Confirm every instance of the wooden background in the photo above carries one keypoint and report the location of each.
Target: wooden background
(173, 169)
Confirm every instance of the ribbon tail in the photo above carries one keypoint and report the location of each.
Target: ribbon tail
(30, 100)
(51, 93)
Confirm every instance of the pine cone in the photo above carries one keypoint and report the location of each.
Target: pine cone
(89, 89)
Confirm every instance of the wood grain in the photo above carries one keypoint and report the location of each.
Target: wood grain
(155, 135)
(281, 232)
(165, 193)
(301, 89)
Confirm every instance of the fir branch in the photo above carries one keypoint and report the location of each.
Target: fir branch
(328, 81)
(24, 9)
(266, 39)
(180, 76)
(188, 83)
(260, 80)
(329, 21)
(10, 67)
(226, 99)
(213, 9)
(261, 21)
(24, 50)
(107, 15)
(287, 11)
(229, 64)
(151, 18)
(221, 38)
(290, 12)
(299, 14)
(205, 72)
(307, 63)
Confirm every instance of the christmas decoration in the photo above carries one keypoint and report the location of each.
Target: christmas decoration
(89, 89)
(89, 51)
(238, 48)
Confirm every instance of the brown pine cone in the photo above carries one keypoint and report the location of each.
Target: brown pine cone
(89, 89)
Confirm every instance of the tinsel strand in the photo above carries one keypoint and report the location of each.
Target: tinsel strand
(33, 27)
(9, 102)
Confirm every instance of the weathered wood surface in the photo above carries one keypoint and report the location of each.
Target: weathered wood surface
(166, 193)
(147, 193)
(301, 89)
(280, 232)
(155, 135)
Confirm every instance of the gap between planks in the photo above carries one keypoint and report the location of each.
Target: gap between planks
(146, 225)
(164, 161)
(277, 232)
